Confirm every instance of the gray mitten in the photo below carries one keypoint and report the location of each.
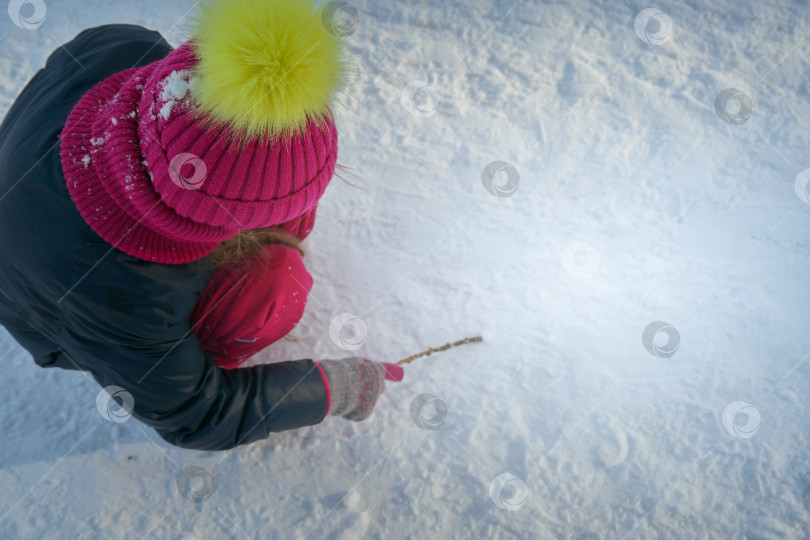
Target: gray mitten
(355, 384)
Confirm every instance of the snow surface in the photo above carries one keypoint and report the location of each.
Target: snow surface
(635, 204)
(175, 87)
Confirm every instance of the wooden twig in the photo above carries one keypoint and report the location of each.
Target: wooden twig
(437, 349)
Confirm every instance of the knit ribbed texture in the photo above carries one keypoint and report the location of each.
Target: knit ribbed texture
(170, 190)
(354, 386)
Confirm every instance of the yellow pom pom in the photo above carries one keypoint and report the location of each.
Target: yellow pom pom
(265, 67)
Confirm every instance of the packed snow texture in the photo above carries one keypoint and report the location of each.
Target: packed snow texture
(175, 88)
(636, 263)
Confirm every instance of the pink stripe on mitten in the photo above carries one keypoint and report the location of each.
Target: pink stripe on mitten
(328, 391)
(393, 372)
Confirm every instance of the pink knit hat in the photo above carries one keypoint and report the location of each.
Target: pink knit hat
(166, 185)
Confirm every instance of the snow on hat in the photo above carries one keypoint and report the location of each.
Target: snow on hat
(230, 131)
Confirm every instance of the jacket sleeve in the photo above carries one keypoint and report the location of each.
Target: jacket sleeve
(101, 51)
(150, 350)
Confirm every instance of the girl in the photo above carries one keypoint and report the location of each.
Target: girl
(152, 204)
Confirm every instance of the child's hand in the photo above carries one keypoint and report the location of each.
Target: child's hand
(354, 384)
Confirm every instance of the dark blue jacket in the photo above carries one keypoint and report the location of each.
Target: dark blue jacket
(76, 302)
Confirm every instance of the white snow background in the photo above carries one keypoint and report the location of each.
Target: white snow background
(635, 203)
